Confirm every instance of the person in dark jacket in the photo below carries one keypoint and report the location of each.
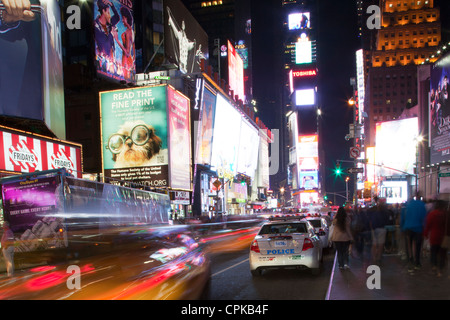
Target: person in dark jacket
(434, 231)
(378, 218)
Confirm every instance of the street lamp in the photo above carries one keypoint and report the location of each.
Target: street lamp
(346, 188)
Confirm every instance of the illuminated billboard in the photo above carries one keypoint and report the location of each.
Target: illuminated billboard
(439, 111)
(308, 162)
(227, 132)
(180, 140)
(134, 132)
(26, 153)
(114, 40)
(206, 127)
(303, 50)
(235, 72)
(308, 152)
(248, 149)
(395, 146)
(305, 97)
(360, 84)
(185, 42)
(299, 20)
(31, 76)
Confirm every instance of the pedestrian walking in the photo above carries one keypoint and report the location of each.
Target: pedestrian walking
(7, 243)
(378, 219)
(414, 223)
(434, 232)
(341, 237)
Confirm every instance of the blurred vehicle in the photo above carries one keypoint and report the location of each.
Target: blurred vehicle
(321, 229)
(132, 265)
(286, 243)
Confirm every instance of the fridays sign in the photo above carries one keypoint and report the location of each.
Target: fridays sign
(25, 153)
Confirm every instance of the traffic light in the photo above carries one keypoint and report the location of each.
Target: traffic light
(338, 170)
(325, 197)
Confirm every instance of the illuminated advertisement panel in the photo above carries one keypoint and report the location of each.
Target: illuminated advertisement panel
(248, 149)
(114, 40)
(308, 162)
(300, 20)
(360, 83)
(439, 109)
(235, 72)
(303, 50)
(394, 191)
(227, 132)
(308, 152)
(26, 153)
(31, 76)
(180, 140)
(135, 135)
(185, 42)
(396, 146)
(305, 97)
(205, 134)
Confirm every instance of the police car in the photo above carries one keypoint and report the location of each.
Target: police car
(320, 226)
(286, 243)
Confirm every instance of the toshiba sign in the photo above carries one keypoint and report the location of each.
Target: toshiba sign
(304, 73)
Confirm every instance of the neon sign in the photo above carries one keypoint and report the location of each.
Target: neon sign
(304, 73)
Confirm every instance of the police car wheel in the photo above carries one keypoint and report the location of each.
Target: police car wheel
(256, 273)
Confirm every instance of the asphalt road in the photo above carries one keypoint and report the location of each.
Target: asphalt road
(231, 280)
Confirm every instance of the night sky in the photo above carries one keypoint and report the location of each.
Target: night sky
(337, 45)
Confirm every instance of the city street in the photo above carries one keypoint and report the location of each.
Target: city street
(231, 280)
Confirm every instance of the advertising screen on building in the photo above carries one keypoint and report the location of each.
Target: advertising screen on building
(185, 42)
(135, 134)
(227, 132)
(308, 162)
(248, 149)
(31, 75)
(235, 72)
(206, 127)
(305, 97)
(114, 40)
(299, 20)
(303, 50)
(395, 146)
(360, 84)
(26, 153)
(439, 109)
(180, 140)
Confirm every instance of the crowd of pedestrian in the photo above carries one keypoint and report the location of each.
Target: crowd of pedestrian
(408, 229)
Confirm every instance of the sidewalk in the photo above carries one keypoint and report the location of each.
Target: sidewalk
(396, 282)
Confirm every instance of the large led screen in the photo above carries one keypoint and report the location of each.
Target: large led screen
(227, 132)
(299, 20)
(440, 111)
(180, 140)
(135, 135)
(248, 149)
(308, 162)
(25, 153)
(303, 50)
(235, 72)
(185, 42)
(31, 75)
(395, 146)
(305, 97)
(114, 40)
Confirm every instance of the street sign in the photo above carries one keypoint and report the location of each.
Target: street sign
(355, 152)
(355, 170)
(217, 184)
